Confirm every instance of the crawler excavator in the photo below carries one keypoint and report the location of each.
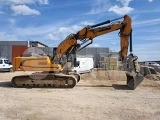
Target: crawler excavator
(54, 73)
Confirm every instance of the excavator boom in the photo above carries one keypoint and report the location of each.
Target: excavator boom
(88, 33)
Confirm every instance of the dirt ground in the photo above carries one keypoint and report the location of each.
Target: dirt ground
(100, 95)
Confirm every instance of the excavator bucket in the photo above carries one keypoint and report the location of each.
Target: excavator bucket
(133, 80)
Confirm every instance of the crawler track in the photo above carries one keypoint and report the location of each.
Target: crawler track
(44, 80)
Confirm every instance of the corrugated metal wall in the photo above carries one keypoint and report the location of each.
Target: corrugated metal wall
(95, 53)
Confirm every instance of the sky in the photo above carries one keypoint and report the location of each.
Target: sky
(51, 21)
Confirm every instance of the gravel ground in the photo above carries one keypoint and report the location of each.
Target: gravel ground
(98, 96)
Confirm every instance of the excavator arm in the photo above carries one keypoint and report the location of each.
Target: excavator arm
(85, 36)
(88, 33)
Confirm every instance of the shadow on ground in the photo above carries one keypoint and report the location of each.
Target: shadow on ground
(115, 86)
(120, 87)
(93, 86)
(5, 84)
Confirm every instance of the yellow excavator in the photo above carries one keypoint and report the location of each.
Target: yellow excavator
(56, 72)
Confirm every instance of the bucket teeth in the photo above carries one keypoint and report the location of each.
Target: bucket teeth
(133, 80)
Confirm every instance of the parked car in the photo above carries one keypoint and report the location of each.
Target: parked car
(152, 63)
(155, 65)
(5, 65)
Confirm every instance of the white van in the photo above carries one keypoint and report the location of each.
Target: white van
(5, 65)
(85, 64)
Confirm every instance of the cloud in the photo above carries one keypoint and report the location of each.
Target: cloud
(41, 30)
(62, 32)
(147, 22)
(24, 10)
(87, 23)
(43, 2)
(120, 10)
(22, 1)
(99, 6)
(125, 2)
(123, 9)
(1, 12)
(52, 36)
(29, 1)
(150, 0)
(12, 21)
(7, 37)
(22, 6)
(33, 31)
(150, 11)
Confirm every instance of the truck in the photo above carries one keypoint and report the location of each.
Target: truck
(84, 65)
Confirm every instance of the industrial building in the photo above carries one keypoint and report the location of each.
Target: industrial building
(103, 57)
(11, 49)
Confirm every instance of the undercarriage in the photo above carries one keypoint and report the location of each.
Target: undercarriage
(45, 80)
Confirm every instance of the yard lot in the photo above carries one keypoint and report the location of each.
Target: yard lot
(98, 96)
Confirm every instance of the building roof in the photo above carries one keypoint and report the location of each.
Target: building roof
(34, 43)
